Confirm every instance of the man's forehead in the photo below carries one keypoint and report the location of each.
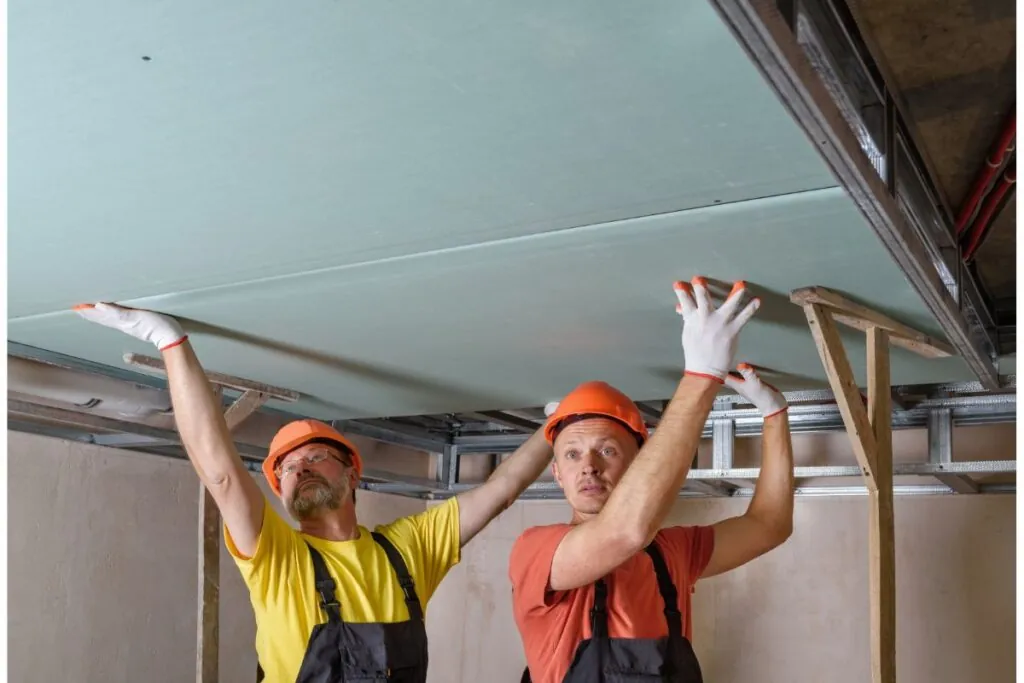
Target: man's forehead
(312, 447)
(593, 429)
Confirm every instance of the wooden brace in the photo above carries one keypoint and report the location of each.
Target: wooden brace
(870, 431)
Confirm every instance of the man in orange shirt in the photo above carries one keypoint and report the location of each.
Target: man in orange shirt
(606, 597)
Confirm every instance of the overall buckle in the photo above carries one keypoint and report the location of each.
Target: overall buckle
(324, 602)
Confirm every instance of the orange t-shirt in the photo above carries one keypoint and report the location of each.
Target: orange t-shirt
(552, 624)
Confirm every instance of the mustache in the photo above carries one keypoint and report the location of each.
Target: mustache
(312, 476)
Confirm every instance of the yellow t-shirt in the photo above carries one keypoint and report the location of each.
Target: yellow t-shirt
(282, 591)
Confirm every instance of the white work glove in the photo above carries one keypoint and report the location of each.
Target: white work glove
(749, 385)
(709, 334)
(156, 328)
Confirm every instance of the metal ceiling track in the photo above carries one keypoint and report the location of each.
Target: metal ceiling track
(812, 55)
(941, 474)
(937, 408)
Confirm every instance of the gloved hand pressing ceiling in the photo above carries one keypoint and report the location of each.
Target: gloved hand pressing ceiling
(710, 334)
(161, 330)
(750, 386)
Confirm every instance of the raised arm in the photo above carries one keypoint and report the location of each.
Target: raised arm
(643, 497)
(768, 521)
(198, 416)
(478, 506)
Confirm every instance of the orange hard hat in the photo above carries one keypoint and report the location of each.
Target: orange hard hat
(299, 433)
(597, 399)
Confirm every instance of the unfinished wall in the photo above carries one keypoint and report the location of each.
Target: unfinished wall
(799, 613)
(102, 557)
(102, 579)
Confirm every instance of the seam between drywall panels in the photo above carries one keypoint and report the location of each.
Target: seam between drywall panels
(227, 287)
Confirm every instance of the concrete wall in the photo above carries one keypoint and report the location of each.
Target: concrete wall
(102, 567)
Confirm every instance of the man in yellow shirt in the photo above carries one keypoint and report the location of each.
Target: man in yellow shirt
(333, 601)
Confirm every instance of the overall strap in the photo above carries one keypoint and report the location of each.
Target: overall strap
(599, 612)
(668, 593)
(412, 601)
(325, 586)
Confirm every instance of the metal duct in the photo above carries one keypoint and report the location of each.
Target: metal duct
(84, 390)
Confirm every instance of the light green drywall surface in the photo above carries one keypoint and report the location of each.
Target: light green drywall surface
(528, 318)
(404, 208)
(265, 138)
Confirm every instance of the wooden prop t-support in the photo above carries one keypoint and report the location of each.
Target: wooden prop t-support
(870, 431)
(253, 396)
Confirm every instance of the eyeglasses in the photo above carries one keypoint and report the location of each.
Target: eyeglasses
(293, 466)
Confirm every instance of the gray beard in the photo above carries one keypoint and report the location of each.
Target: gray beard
(309, 501)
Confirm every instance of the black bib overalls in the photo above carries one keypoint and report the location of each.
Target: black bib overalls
(339, 651)
(601, 659)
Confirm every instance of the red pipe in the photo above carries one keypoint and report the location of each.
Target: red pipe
(994, 200)
(1003, 147)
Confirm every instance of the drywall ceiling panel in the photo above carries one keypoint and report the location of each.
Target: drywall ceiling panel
(401, 208)
(170, 147)
(519, 322)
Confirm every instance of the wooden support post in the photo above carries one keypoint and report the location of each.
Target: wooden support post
(208, 640)
(882, 541)
(870, 431)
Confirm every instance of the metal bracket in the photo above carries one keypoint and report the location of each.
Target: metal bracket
(448, 467)
(940, 451)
